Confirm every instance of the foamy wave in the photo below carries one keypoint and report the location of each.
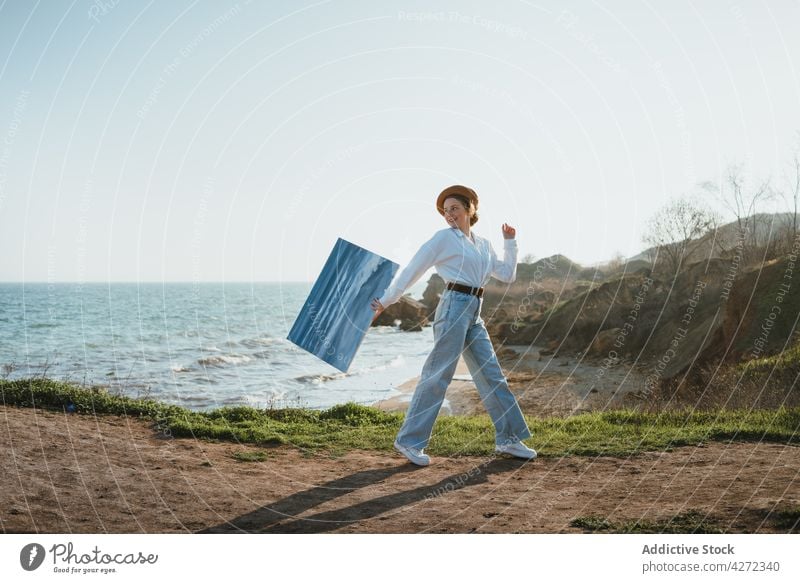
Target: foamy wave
(396, 362)
(180, 368)
(318, 379)
(393, 329)
(193, 399)
(224, 359)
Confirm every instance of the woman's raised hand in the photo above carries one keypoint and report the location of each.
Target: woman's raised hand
(378, 307)
(509, 232)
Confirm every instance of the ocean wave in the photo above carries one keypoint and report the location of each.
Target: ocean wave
(195, 398)
(387, 330)
(224, 359)
(180, 368)
(318, 379)
(258, 342)
(37, 325)
(397, 361)
(233, 401)
(203, 379)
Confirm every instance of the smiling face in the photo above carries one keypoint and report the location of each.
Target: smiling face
(455, 213)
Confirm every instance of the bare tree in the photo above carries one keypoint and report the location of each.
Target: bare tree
(616, 264)
(677, 231)
(529, 259)
(736, 195)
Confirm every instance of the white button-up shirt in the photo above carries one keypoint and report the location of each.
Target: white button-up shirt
(457, 259)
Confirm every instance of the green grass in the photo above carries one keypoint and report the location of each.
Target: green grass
(786, 361)
(250, 456)
(688, 522)
(787, 518)
(783, 520)
(351, 426)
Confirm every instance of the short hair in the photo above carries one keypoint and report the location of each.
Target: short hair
(467, 204)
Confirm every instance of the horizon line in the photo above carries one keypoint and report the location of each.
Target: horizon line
(153, 281)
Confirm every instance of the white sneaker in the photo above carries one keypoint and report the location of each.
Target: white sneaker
(414, 455)
(517, 449)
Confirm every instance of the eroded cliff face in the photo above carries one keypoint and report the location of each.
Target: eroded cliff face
(712, 310)
(762, 311)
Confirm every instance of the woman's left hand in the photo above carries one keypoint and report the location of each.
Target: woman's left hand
(377, 306)
(509, 232)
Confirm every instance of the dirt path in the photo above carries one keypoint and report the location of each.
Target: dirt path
(68, 473)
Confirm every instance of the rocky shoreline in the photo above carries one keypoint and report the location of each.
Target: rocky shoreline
(545, 385)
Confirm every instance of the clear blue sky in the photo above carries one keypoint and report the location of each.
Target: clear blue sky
(208, 141)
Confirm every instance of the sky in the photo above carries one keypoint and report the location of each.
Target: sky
(236, 141)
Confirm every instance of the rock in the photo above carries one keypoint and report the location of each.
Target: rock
(604, 342)
(433, 291)
(506, 353)
(411, 314)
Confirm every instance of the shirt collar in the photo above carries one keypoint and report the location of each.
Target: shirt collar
(461, 234)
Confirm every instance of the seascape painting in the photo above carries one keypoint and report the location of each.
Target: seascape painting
(337, 314)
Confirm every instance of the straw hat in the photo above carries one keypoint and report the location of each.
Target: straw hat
(456, 189)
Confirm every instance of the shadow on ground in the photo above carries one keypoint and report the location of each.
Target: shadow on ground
(283, 516)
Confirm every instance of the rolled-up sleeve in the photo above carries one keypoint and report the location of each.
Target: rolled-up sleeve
(423, 260)
(505, 270)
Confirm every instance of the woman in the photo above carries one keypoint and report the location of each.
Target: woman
(465, 261)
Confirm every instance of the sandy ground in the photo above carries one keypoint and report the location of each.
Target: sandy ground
(544, 385)
(78, 474)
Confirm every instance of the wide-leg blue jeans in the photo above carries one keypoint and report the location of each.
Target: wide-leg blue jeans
(458, 329)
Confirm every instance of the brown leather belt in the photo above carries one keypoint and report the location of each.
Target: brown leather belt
(460, 287)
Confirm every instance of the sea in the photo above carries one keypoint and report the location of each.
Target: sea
(198, 345)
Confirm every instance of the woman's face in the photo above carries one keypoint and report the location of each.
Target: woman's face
(455, 214)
